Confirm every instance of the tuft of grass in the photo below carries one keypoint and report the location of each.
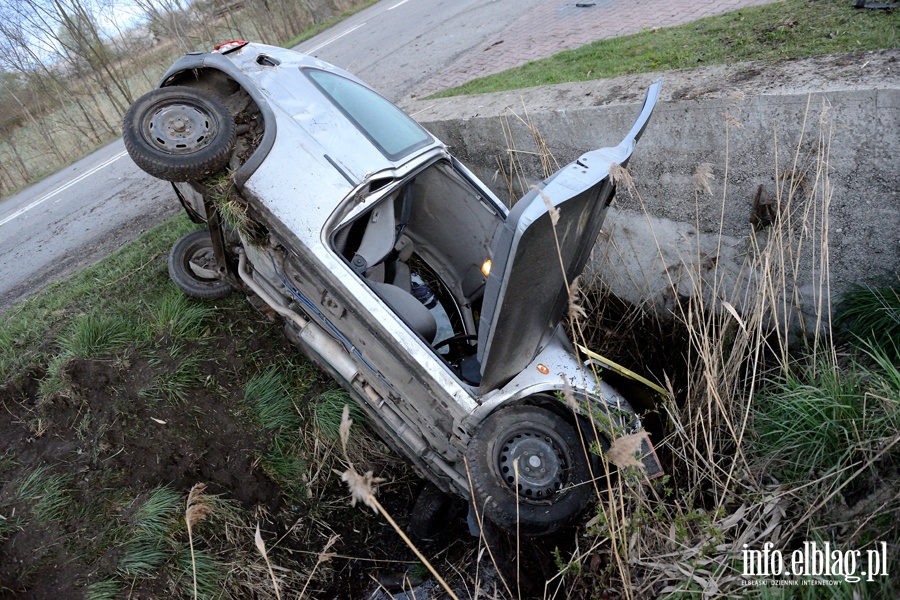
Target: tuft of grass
(105, 589)
(46, 493)
(285, 462)
(143, 557)
(155, 515)
(149, 542)
(53, 384)
(781, 30)
(232, 209)
(95, 334)
(173, 386)
(872, 313)
(269, 394)
(180, 317)
(210, 574)
(328, 408)
(815, 419)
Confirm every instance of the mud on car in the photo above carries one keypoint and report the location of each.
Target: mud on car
(397, 271)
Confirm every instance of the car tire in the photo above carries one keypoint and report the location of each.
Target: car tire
(527, 567)
(540, 439)
(431, 514)
(196, 249)
(179, 133)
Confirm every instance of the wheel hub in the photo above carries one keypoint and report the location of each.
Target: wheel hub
(540, 463)
(203, 263)
(179, 129)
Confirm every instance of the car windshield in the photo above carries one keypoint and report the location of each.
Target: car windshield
(388, 127)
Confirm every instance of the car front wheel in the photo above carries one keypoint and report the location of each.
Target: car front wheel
(178, 133)
(552, 485)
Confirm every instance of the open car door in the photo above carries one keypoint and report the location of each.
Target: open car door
(535, 259)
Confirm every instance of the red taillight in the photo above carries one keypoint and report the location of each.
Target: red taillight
(226, 47)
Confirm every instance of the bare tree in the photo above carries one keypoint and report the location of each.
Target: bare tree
(68, 71)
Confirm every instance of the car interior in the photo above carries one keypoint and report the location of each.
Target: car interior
(425, 249)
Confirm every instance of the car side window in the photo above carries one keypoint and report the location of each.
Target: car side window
(388, 127)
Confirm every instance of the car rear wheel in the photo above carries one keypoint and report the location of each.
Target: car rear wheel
(179, 134)
(551, 487)
(192, 266)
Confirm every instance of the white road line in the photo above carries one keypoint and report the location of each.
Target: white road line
(337, 37)
(46, 197)
(398, 4)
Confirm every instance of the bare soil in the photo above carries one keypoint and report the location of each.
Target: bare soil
(114, 446)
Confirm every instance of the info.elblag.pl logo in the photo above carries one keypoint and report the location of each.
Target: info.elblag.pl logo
(820, 562)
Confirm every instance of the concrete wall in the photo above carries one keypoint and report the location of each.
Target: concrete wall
(836, 136)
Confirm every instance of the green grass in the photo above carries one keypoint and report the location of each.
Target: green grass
(328, 408)
(180, 317)
(110, 287)
(286, 462)
(269, 394)
(46, 493)
(173, 385)
(95, 334)
(90, 335)
(326, 24)
(790, 29)
(105, 589)
(149, 541)
(873, 314)
(210, 574)
(154, 542)
(819, 418)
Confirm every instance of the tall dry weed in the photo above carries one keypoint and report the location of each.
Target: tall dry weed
(686, 532)
(362, 490)
(738, 331)
(195, 511)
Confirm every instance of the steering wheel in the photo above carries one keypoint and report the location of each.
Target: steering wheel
(455, 338)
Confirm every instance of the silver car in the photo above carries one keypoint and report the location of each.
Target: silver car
(399, 272)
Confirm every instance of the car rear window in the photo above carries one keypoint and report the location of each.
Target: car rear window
(389, 128)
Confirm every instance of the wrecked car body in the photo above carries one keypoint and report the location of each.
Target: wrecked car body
(439, 309)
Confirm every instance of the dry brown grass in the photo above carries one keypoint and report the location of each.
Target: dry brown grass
(195, 511)
(362, 490)
(685, 534)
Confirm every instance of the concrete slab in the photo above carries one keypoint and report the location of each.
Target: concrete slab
(830, 123)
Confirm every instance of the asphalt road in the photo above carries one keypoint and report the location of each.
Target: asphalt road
(85, 211)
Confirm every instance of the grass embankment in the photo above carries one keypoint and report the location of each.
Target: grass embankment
(790, 29)
(118, 395)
